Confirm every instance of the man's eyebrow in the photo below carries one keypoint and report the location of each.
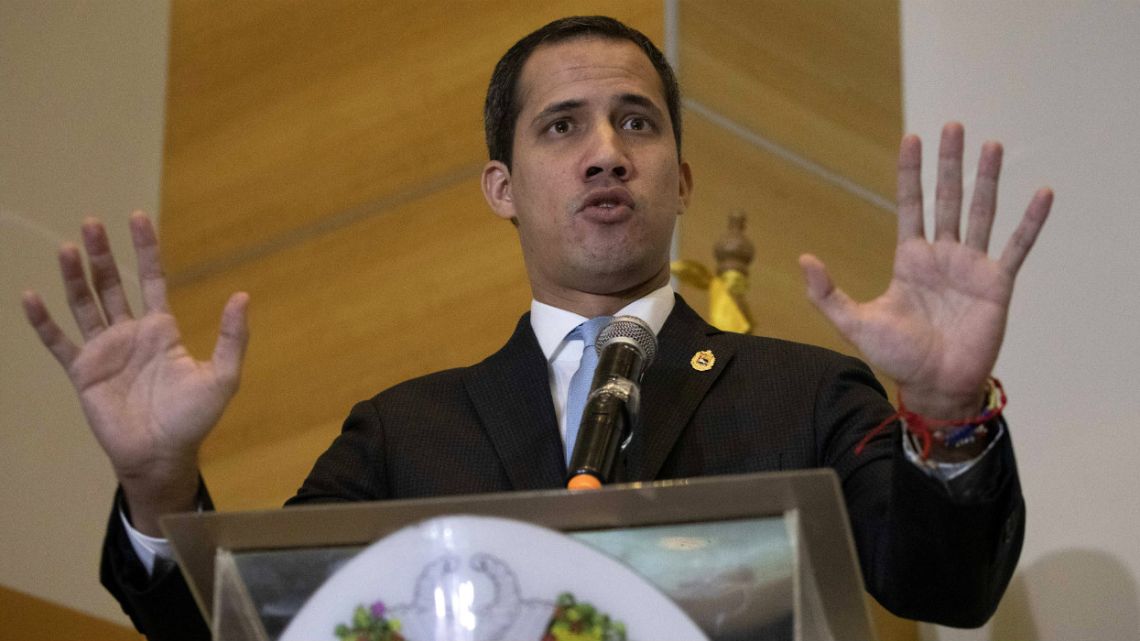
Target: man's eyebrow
(564, 106)
(559, 107)
(638, 100)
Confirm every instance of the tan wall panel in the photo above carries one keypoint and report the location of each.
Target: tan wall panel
(324, 157)
(822, 78)
(344, 315)
(29, 618)
(790, 212)
(284, 113)
(263, 476)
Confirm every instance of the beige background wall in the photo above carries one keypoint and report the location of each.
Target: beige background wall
(82, 89)
(1057, 81)
(793, 114)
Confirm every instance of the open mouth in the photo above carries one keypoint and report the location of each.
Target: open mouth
(608, 205)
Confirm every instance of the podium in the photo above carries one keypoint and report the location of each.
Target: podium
(758, 556)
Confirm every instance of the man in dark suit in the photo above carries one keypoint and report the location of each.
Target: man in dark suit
(583, 123)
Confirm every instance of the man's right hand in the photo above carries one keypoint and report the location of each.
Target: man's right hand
(149, 403)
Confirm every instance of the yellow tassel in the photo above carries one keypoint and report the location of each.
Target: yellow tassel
(724, 310)
(691, 272)
(725, 290)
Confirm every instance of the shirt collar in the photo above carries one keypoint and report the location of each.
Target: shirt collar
(551, 324)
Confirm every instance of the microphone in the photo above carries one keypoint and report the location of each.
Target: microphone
(625, 347)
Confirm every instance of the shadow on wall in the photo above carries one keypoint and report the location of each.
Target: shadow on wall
(1070, 594)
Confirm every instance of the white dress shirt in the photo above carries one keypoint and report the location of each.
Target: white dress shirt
(551, 326)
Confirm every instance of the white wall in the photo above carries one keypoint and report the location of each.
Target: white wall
(1058, 82)
(82, 89)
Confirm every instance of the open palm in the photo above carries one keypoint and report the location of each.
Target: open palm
(939, 326)
(149, 403)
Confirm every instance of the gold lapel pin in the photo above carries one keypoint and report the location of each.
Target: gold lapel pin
(703, 360)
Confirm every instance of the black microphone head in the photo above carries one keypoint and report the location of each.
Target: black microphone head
(633, 331)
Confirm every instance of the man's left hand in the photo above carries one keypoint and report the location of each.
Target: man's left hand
(939, 326)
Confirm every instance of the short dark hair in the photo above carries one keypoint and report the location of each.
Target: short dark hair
(501, 110)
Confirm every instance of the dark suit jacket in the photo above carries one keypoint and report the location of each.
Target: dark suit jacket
(765, 405)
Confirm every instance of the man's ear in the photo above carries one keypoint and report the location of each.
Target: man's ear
(497, 189)
(686, 186)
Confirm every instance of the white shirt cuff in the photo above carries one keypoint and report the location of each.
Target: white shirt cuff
(147, 548)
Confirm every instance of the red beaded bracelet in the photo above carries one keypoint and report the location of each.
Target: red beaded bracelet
(927, 430)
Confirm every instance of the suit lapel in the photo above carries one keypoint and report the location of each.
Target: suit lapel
(672, 389)
(511, 394)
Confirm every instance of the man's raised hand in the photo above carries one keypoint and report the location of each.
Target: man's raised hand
(149, 403)
(939, 326)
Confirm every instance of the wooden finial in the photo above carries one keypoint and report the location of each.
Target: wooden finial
(733, 250)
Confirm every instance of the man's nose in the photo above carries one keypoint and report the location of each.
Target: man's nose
(608, 155)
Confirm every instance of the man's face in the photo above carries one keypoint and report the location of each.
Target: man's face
(596, 184)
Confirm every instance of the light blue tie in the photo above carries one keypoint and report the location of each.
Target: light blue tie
(580, 382)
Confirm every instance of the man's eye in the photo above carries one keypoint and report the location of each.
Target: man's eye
(637, 123)
(560, 127)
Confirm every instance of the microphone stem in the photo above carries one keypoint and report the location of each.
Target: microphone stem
(605, 425)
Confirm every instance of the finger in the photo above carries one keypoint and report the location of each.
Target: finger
(984, 203)
(948, 192)
(104, 272)
(79, 298)
(229, 351)
(152, 281)
(829, 299)
(50, 334)
(910, 189)
(1026, 233)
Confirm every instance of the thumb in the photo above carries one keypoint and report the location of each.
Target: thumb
(232, 339)
(831, 301)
